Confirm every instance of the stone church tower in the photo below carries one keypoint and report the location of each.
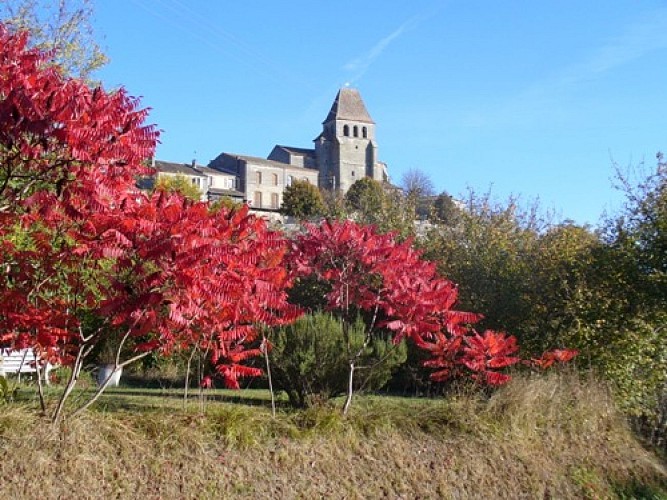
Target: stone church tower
(346, 150)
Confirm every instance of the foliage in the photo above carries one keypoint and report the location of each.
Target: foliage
(62, 27)
(79, 240)
(302, 200)
(360, 271)
(227, 203)
(564, 285)
(387, 208)
(522, 271)
(365, 196)
(178, 184)
(309, 358)
(550, 433)
(444, 210)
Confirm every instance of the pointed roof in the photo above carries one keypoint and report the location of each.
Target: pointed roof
(348, 106)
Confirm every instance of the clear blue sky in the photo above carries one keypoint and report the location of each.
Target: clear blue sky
(529, 98)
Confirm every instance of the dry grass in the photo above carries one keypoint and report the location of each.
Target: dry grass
(541, 437)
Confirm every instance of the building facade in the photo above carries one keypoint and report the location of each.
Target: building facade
(345, 151)
(212, 184)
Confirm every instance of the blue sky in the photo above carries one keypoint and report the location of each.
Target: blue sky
(527, 98)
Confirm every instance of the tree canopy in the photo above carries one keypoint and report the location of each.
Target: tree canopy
(62, 26)
(302, 200)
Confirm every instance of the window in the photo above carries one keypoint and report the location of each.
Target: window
(258, 177)
(364, 132)
(257, 200)
(346, 131)
(353, 173)
(231, 184)
(274, 200)
(356, 131)
(289, 180)
(275, 179)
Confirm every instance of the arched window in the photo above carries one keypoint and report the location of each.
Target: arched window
(275, 179)
(258, 177)
(356, 131)
(364, 132)
(346, 130)
(274, 200)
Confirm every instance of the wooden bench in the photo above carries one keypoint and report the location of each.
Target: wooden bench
(20, 362)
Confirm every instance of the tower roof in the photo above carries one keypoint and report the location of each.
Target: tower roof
(348, 106)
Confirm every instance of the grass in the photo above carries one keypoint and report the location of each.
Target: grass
(554, 436)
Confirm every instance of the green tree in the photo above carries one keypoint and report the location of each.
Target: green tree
(302, 200)
(384, 206)
(178, 184)
(62, 26)
(309, 359)
(444, 210)
(365, 196)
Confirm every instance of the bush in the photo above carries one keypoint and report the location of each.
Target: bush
(309, 359)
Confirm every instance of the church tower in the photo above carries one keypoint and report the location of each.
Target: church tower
(346, 151)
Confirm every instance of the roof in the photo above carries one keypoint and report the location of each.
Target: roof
(211, 171)
(232, 193)
(177, 168)
(297, 151)
(267, 163)
(348, 106)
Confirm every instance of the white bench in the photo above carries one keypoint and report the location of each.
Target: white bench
(21, 361)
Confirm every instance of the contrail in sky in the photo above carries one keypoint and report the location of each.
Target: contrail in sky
(361, 64)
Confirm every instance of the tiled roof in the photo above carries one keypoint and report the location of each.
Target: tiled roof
(298, 151)
(349, 106)
(177, 168)
(211, 171)
(268, 163)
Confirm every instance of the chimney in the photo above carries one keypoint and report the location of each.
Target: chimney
(194, 162)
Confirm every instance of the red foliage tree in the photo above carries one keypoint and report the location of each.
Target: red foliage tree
(78, 236)
(401, 292)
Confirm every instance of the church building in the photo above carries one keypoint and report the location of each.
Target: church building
(345, 151)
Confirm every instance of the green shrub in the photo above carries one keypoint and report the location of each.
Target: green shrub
(309, 359)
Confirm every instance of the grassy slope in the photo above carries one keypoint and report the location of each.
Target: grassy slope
(545, 437)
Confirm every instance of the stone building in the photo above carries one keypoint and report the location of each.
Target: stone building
(212, 184)
(344, 152)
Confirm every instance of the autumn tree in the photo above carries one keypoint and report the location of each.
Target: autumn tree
(302, 200)
(178, 184)
(362, 272)
(62, 26)
(79, 238)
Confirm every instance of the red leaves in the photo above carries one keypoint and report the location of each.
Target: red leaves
(375, 273)
(556, 356)
(164, 270)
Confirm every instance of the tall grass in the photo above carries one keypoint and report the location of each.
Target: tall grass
(554, 436)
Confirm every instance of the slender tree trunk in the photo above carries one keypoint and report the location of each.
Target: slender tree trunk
(40, 389)
(187, 377)
(350, 384)
(74, 376)
(100, 390)
(265, 348)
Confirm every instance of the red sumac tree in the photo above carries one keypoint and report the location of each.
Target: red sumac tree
(362, 270)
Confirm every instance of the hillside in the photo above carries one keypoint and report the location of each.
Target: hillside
(540, 437)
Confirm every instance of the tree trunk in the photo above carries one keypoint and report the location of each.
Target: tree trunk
(348, 400)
